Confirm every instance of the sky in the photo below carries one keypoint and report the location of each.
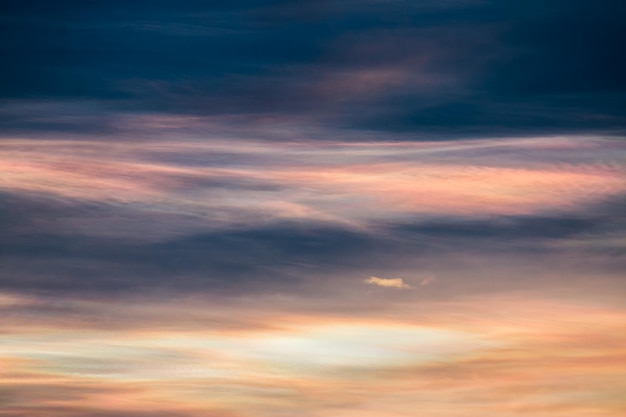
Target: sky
(349, 208)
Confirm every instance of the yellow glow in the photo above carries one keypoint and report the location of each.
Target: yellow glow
(547, 357)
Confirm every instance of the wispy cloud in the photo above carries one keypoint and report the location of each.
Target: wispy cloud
(224, 183)
(427, 281)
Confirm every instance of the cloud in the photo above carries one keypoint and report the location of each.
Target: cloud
(232, 183)
(192, 194)
(427, 281)
(240, 217)
(449, 69)
(387, 282)
(433, 355)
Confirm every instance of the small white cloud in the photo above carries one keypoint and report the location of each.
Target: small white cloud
(387, 282)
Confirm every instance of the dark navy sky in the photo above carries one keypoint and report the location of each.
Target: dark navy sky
(445, 68)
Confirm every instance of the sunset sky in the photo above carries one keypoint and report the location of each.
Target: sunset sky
(313, 208)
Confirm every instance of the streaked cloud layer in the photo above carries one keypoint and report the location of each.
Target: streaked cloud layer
(321, 181)
(206, 276)
(504, 358)
(269, 209)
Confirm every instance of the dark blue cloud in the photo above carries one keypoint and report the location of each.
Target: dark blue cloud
(509, 67)
(36, 255)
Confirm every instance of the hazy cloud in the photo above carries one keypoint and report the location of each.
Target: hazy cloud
(427, 281)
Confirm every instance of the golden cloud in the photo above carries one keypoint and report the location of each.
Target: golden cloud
(387, 282)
